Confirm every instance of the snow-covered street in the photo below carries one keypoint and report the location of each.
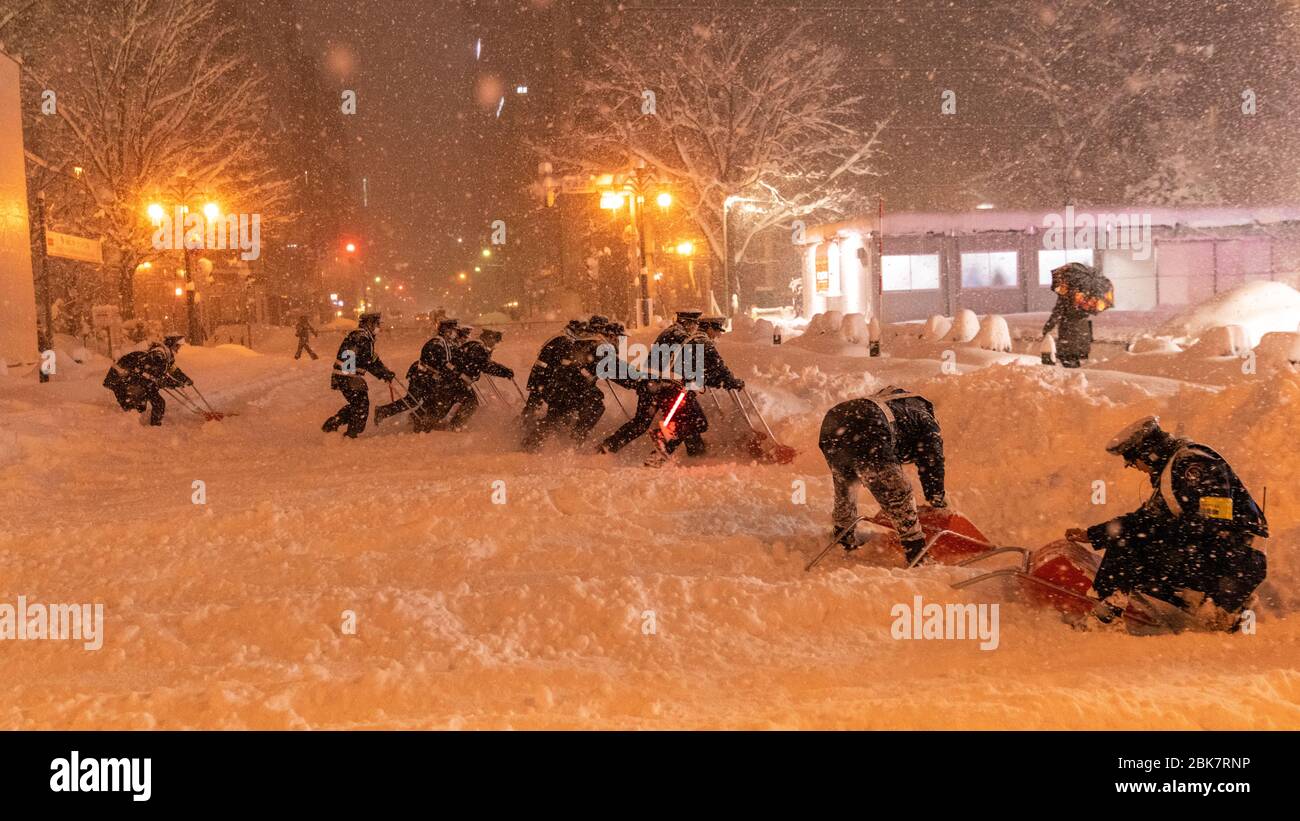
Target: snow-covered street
(602, 593)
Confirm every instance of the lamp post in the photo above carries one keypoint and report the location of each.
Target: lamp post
(183, 194)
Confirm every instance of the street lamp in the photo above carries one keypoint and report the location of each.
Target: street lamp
(726, 248)
(184, 194)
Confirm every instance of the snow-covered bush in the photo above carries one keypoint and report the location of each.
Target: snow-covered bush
(833, 320)
(994, 334)
(1223, 340)
(937, 328)
(853, 329)
(761, 330)
(816, 325)
(965, 326)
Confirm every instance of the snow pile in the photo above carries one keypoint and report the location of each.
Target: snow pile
(853, 329)
(1154, 344)
(1223, 340)
(537, 613)
(1259, 307)
(937, 328)
(994, 334)
(965, 326)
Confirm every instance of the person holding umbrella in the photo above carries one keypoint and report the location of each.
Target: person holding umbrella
(1081, 292)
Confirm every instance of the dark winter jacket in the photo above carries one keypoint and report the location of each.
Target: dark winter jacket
(437, 359)
(1074, 329)
(154, 369)
(1195, 531)
(716, 372)
(361, 344)
(857, 435)
(473, 359)
(305, 331)
(554, 352)
(572, 376)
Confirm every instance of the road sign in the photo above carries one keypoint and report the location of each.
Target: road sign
(67, 246)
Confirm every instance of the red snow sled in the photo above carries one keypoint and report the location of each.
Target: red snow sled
(758, 442)
(1059, 575)
(950, 538)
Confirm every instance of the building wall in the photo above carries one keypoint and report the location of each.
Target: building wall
(1179, 268)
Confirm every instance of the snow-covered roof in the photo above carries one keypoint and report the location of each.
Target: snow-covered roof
(905, 223)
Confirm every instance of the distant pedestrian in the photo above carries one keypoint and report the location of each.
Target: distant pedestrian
(305, 331)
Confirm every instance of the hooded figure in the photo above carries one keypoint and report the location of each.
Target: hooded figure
(1194, 535)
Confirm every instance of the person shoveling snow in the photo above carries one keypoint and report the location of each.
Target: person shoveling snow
(1190, 546)
(868, 441)
(137, 378)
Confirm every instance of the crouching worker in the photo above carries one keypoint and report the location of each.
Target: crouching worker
(356, 357)
(868, 441)
(1190, 542)
(473, 359)
(137, 378)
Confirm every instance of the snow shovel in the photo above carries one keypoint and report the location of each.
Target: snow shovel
(614, 394)
(762, 444)
(950, 537)
(1057, 575)
(209, 415)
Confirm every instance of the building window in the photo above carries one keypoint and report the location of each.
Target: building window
(1049, 261)
(989, 269)
(914, 272)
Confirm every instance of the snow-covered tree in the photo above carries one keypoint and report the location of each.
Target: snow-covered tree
(1078, 72)
(153, 97)
(755, 109)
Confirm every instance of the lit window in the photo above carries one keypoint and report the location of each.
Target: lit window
(914, 272)
(1050, 260)
(989, 269)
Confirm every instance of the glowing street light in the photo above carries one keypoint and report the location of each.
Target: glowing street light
(212, 211)
(156, 213)
(611, 200)
(664, 200)
(686, 248)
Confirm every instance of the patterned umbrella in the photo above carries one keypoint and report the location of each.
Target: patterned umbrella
(1084, 286)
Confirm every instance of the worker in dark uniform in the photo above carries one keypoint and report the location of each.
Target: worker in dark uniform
(472, 359)
(868, 441)
(356, 358)
(699, 366)
(138, 377)
(569, 389)
(1192, 540)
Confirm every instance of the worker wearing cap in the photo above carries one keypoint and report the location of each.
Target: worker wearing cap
(700, 366)
(472, 359)
(427, 392)
(356, 357)
(1194, 535)
(138, 377)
